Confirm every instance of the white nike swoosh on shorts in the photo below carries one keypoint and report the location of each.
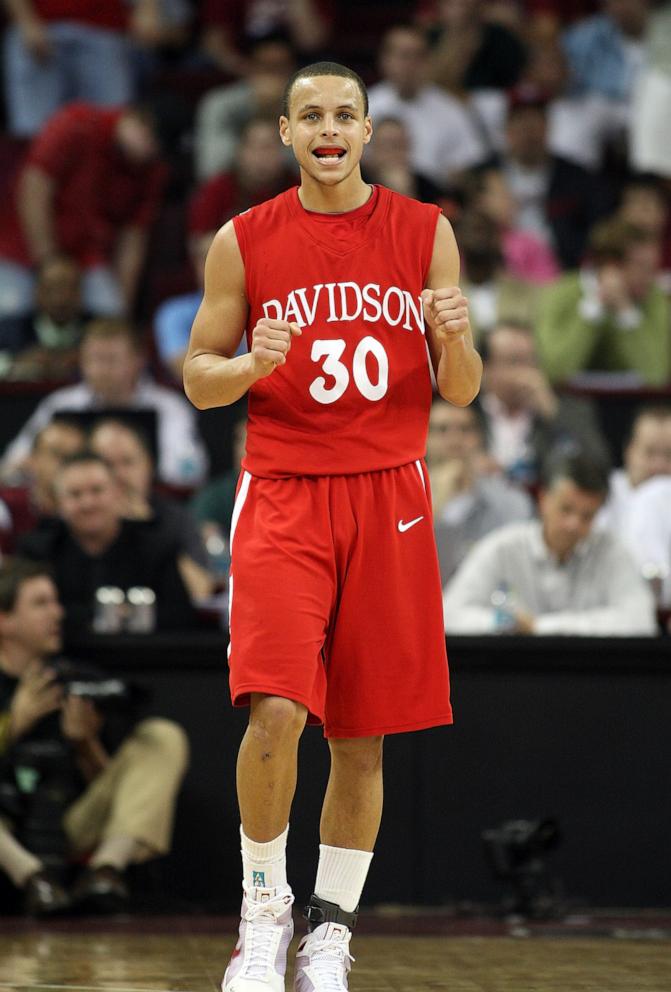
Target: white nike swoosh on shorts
(403, 526)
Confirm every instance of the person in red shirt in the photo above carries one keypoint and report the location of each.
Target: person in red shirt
(64, 50)
(335, 597)
(90, 188)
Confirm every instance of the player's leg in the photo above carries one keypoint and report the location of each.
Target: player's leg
(281, 595)
(350, 822)
(266, 782)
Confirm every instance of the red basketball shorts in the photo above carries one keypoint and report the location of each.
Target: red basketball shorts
(336, 600)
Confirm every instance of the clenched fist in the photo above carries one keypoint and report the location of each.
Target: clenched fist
(271, 341)
(446, 312)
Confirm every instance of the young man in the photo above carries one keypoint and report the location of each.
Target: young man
(39, 707)
(336, 606)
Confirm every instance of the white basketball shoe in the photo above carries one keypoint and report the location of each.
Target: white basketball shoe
(259, 961)
(323, 959)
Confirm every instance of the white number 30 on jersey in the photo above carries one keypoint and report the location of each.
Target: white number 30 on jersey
(332, 351)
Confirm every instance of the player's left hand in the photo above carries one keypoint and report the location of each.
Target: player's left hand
(446, 311)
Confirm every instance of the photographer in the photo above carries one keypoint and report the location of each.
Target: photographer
(119, 808)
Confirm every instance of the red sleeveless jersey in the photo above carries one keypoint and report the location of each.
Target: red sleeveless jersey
(355, 392)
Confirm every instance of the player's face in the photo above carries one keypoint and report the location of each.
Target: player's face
(649, 452)
(567, 513)
(326, 127)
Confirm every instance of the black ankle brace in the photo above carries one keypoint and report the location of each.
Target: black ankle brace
(320, 911)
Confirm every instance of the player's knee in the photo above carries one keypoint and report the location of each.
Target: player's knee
(362, 755)
(275, 718)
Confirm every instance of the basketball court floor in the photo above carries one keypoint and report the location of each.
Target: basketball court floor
(588, 953)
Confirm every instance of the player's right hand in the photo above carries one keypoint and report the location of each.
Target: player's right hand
(271, 341)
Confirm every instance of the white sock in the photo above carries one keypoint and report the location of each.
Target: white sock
(264, 865)
(341, 875)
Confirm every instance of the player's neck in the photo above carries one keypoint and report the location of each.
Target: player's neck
(338, 199)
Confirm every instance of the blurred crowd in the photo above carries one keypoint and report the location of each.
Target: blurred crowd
(132, 132)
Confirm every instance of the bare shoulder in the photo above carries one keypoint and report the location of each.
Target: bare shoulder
(444, 269)
(222, 316)
(224, 259)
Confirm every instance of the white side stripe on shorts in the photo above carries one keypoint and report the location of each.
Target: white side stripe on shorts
(421, 474)
(237, 510)
(239, 503)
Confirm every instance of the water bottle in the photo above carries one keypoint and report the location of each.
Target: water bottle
(503, 605)
(141, 610)
(109, 610)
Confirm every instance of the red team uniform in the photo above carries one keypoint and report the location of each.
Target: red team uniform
(335, 589)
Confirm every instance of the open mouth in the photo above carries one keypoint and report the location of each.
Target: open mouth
(329, 153)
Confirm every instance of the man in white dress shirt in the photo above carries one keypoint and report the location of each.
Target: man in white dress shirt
(443, 136)
(557, 575)
(111, 364)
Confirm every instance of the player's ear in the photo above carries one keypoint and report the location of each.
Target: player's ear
(367, 130)
(285, 131)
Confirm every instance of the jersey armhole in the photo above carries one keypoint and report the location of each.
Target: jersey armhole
(430, 240)
(240, 228)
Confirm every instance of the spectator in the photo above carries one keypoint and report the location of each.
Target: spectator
(387, 162)
(58, 53)
(647, 454)
(527, 422)
(128, 454)
(90, 188)
(44, 344)
(557, 200)
(467, 502)
(37, 499)
(555, 576)
(612, 316)
(102, 817)
(650, 139)
(229, 27)
(647, 534)
(525, 255)
(581, 127)
(605, 52)
(644, 205)
(471, 52)
(213, 505)
(111, 364)
(493, 294)
(443, 138)
(224, 111)
(92, 545)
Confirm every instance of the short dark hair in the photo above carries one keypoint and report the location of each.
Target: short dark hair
(587, 473)
(108, 328)
(324, 69)
(120, 424)
(86, 457)
(13, 573)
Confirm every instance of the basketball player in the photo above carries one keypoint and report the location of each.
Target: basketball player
(335, 591)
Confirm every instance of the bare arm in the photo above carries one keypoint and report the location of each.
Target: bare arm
(212, 375)
(35, 207)
(456, 363)
(129, 258)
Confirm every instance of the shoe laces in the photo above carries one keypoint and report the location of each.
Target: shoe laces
(331, 955)
(261, 934)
